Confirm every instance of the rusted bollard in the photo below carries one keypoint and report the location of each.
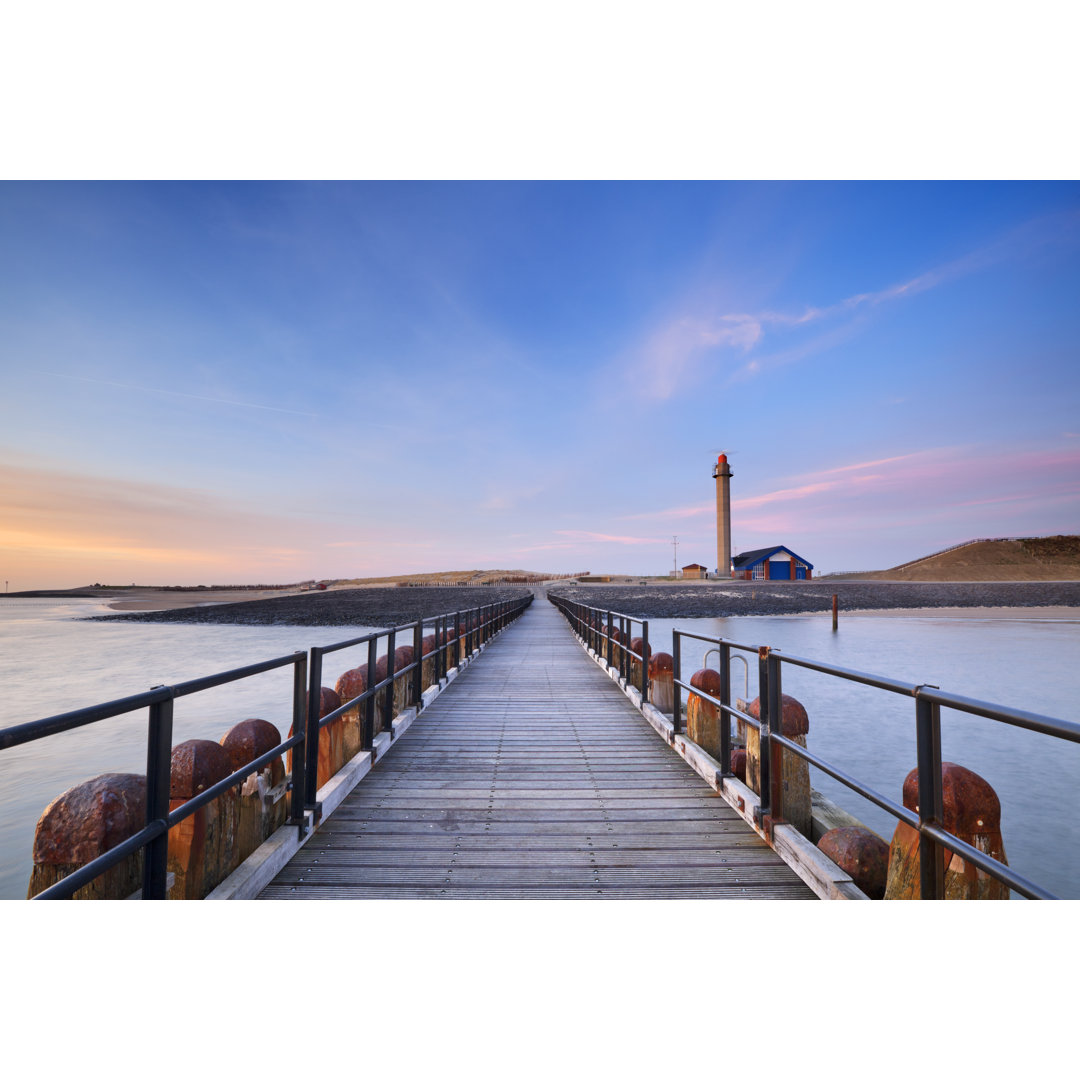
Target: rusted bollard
(636, 646)
(860, 853)
(794, 725)
(262, 807)
(397, 700)
(201, 847)
(738, 763)
(972, 813)
(85, 822)
(451, 647)
(403, 683)
(427, 667)
(331, 738)
(662, 681)
(351, 684)
(618, 640)
(703, 717)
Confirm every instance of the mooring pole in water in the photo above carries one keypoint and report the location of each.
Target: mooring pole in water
(834, 611)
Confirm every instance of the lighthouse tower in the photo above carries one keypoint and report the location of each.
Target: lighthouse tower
(723, 474)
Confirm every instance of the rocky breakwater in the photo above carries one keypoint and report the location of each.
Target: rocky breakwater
(338, 607)
(724, 598)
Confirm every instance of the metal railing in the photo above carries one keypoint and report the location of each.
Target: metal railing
(153, 836)
(464, 630)
(598, 631)
(472, 627)
(934, 840)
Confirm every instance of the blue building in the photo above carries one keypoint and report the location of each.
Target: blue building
(771, 564)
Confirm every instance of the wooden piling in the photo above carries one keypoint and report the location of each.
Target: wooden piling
(835, 611)
(427, 667)
(403, 683)
(202, 846)
(972, 813)
(331, 738)
(85, 822)
(703, 718)
(351, 684)
(662, 681)
(636, 646)
(261, 805)
(794, 725)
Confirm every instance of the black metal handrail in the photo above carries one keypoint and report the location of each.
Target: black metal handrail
(153, 837)
(474, 626)
(600, 636)
(933, 838)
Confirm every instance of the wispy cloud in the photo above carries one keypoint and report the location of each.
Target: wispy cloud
(673, 355)
(606, 538)
(175, 393)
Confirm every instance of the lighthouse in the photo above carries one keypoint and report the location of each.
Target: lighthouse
(723, 474)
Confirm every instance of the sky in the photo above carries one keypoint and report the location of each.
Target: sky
(253, 382)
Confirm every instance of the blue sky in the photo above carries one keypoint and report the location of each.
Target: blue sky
(256, 382)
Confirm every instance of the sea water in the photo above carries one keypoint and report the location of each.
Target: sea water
(51, 661)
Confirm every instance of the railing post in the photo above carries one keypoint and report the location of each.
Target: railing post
(369, 705)
(776, 717)
(764, 742)
(644, 661)
(725, 716)
(458, 646)
(388, 700)
(158, 769)
(624, 653)
(676, 656)
(311, 730)
(763, 719)
(299, 751)
(931, 803)
(418, 660)
(609, 626)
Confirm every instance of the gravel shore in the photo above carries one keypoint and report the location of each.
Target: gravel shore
(800, 597)
(340, 607)
(394, 607)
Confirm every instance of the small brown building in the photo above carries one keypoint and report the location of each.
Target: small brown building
(695, 570)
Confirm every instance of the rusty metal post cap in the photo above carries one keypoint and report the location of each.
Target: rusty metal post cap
(661, 663)
(90, 819)
(351, 684)
(248, 740)
(196, 765)
(970, 804)
(707, 680)
(793, 718)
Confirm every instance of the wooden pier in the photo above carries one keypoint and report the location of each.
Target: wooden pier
(532, 776)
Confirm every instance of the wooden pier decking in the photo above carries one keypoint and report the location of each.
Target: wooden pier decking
(533, 777)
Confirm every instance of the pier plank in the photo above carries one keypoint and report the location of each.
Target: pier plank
(533, 777)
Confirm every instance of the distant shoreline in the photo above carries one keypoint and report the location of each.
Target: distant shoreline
(715, 599)
(367, 606)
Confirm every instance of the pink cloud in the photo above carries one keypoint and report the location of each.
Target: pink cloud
(605, 538)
